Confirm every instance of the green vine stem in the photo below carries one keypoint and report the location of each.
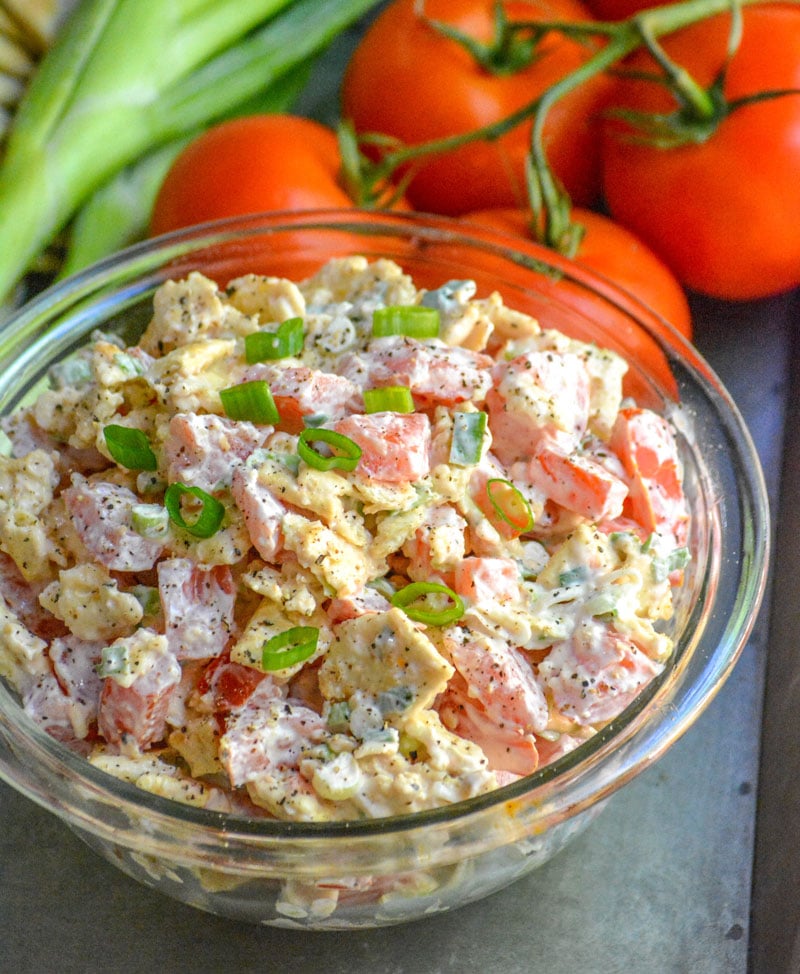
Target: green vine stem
(550, 205)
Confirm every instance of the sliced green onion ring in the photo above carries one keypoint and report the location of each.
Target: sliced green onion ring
(265, 346)
(250, 402)
(413, 601)
(467, 442)
(290, 647)
(389, 399)
(510, 504)
(346, 459)
(209, 519)
(413, 321)
(129, 447)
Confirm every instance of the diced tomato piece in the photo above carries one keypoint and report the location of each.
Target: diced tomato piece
(595, 674)
(101, 513)
(140, 710)
(355, 605)
(488, 579)
(299, 391)
(202, 450)
(46, 702)
(395, 446)
(229, 685)
(75, 666)
(534, 395)
(501, 678)
(198, 607)
(434, 372)
(644, 442)
(507, 748)
(269, 734)
(576, 482)
(263, 512)
(437, 546)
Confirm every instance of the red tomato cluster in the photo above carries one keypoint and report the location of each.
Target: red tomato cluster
(720, 213)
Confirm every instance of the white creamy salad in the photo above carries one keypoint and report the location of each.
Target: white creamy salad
(335, 549)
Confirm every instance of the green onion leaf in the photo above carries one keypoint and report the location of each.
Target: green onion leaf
(414, 601)
(129, 447)
(389, 399)
(467, 442)
(346, 459)
(209, 518)
(413, 321)
(509, 504)
(290, 647)
(148, 597)
(665, 565)
(263, 346)
(251, 402)
(151, 521)
(315, 419)
(573, 576)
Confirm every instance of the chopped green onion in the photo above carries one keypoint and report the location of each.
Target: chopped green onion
(346, 459)
(148, 597)
(665, 565)
(414, 602)
(208, 520)
(339, 717)
(572, 576)
(509, 503)
(413, 321)
(467, 442)
(263, 346)
(262, 455)
(75, 371)
(151, 521)
(290, 647)
(315, 419)
(129, 447)
(251, 402)
(603, 606)
(395, 701)
(389, 399)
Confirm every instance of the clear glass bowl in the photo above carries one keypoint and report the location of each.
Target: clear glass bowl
(369, 873)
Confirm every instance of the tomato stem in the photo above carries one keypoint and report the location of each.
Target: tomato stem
(511, 49)
(550, 203)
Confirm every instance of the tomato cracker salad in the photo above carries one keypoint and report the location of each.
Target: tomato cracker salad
(337, 549)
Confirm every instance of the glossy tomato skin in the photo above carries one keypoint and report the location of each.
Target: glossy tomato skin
(618, 9)
(723, 214)
(250, 165)
(611, 250)
(408, 81)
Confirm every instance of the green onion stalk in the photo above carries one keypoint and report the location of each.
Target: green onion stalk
(550, 205)
(127, 76)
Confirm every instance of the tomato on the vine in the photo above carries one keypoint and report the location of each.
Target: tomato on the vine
(609, 249)
(618, 9)
(722, 211)
(250, 165)
(410, 82)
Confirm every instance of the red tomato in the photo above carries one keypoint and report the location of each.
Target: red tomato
(618, 9)
(723, 213)
(250, 165)
(609, 249)
(407, 81)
